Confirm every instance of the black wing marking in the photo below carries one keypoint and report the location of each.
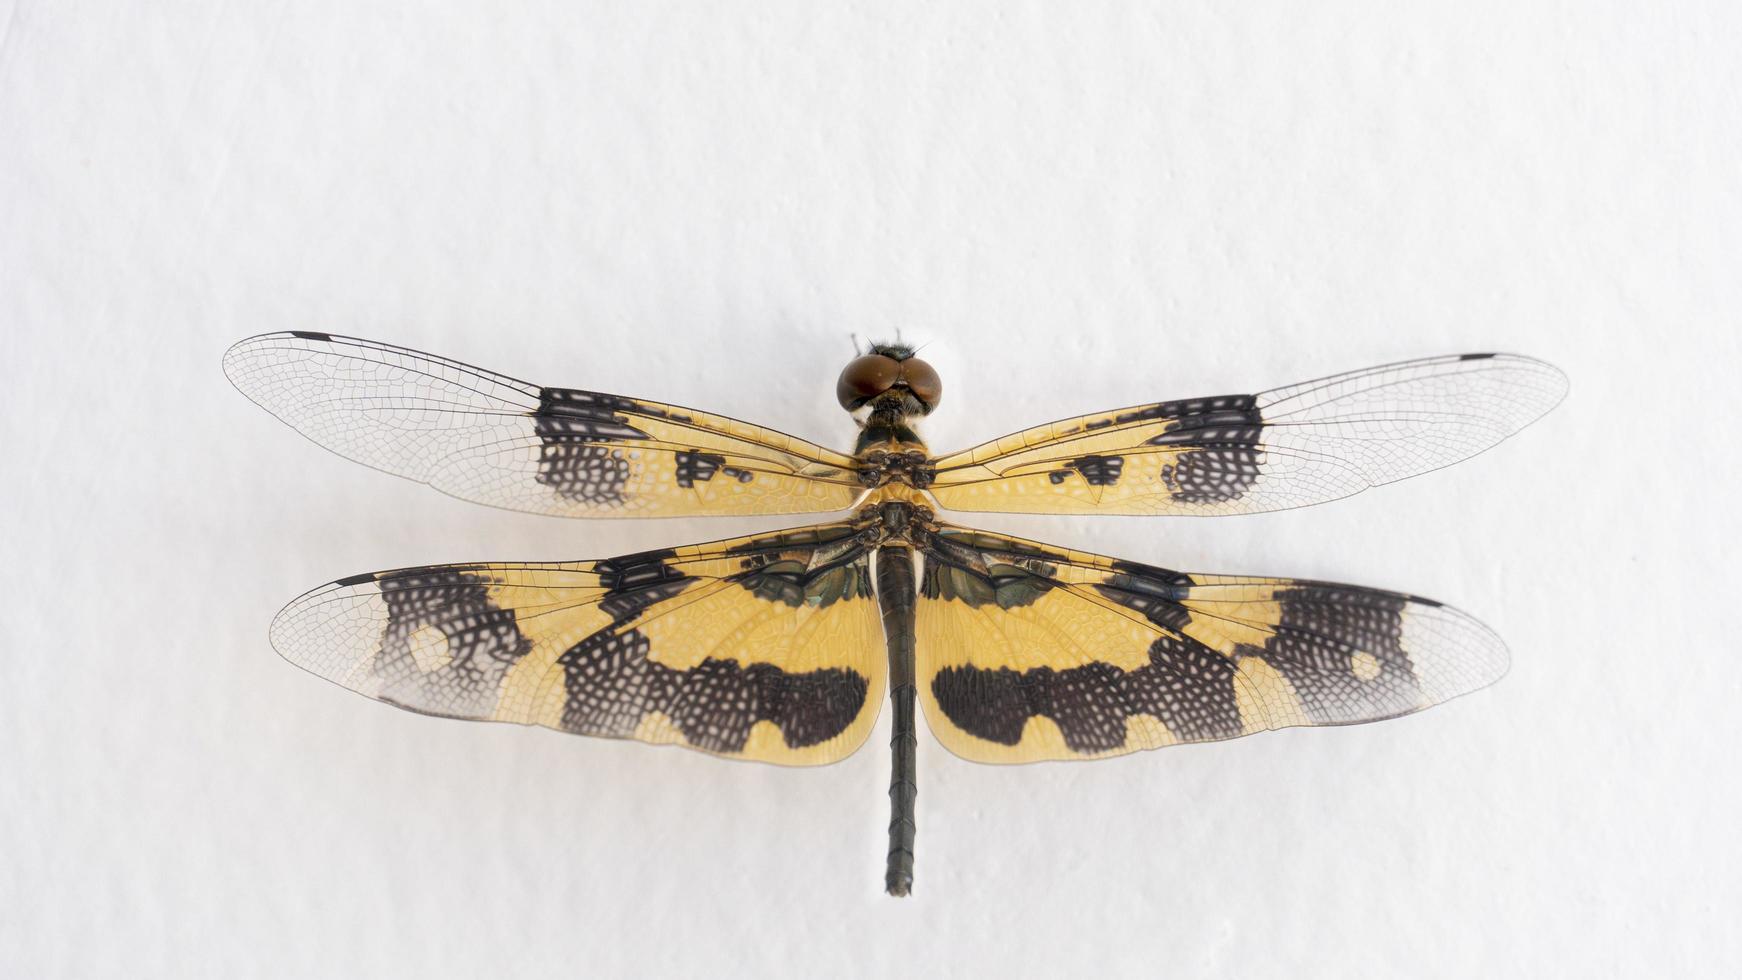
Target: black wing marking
(1030, 652)
(766, 647)
(493, 439)
(1238, 454)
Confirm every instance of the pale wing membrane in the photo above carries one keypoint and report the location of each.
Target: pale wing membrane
(1237, 454)
(486, 437)
(767, 647)
(1028, 652)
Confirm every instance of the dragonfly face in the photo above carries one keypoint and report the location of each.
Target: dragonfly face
(779, 647)
(890, 378)
(888, 390)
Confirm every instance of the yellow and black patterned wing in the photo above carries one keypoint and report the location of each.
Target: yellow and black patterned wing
(1239, 454)
(1028, 652)
(766, 647)
(486, 437)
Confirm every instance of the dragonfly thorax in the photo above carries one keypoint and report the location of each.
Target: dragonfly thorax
(891, 519)
(879, 467)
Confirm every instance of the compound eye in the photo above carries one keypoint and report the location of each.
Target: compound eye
(923, 381)
(866, 378)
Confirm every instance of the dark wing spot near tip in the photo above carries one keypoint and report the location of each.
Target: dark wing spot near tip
(1186, 685)
(483, 641)
(351, 580)
(579, 403)
(1219, 440)
(576, 430)
(1474, 357)
(567, 412)
(1320, 630)
(311, 335)
(611, 686)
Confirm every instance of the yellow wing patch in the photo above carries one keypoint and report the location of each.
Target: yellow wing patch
(1094, 464)
(1236, 454)
(767, 647)
(1028, 652)
(483, 436)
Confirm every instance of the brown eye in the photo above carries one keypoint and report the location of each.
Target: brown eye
(866, 378)
(923, 381)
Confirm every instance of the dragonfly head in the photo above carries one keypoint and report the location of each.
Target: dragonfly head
(890, 380)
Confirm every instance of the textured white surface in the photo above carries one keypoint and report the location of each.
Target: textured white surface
(696, 203)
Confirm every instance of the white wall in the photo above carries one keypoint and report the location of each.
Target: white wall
(1078, 207)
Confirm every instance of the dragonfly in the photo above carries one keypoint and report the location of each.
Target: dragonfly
(779, 647)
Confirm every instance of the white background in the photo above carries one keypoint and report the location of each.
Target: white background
(1078, 207)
